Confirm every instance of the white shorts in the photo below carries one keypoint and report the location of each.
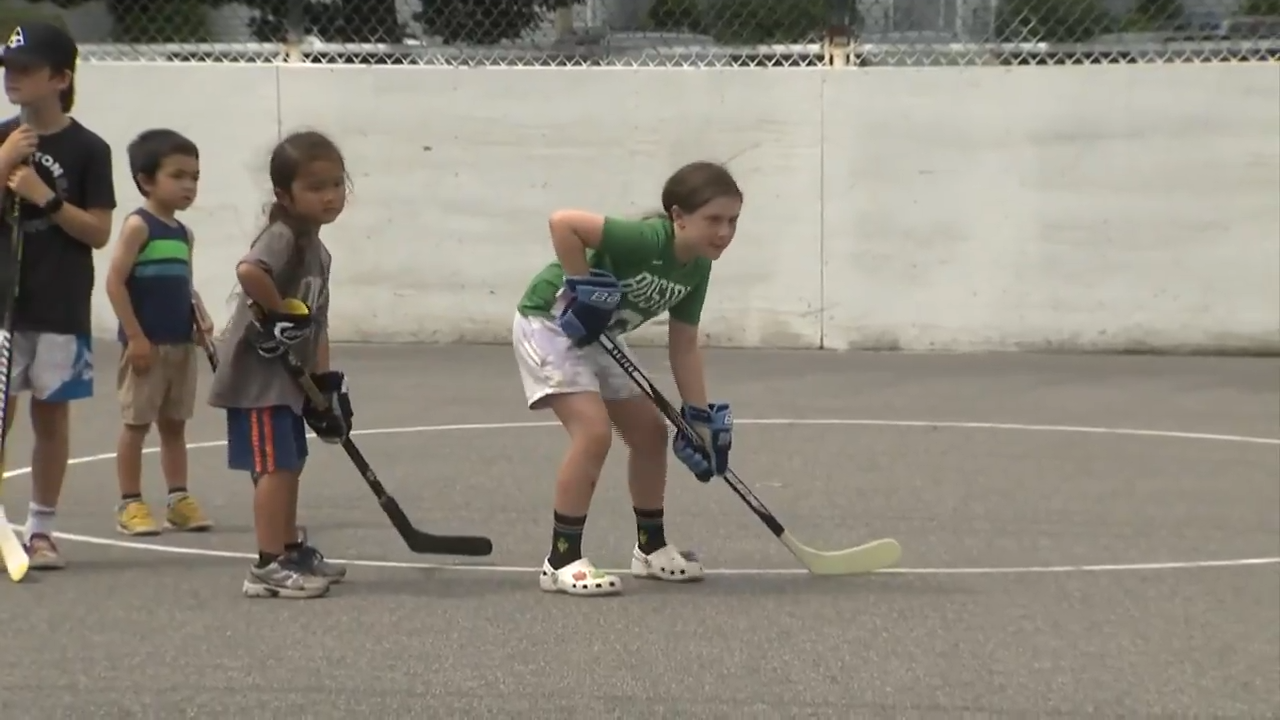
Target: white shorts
(550, 364)
(53, 368)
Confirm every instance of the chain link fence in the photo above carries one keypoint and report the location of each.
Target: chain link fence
(665, 33)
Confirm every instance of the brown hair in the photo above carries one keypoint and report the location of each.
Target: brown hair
(696, 184)
(290, 155)
(288, 158)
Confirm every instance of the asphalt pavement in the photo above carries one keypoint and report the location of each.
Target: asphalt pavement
(1084, 536)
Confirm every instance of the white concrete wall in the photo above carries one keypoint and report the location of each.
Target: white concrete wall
(1105, 207)
(1087, 208)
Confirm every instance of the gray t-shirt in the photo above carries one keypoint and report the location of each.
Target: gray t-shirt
(245, 379)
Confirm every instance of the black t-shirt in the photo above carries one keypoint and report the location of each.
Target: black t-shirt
(55, 285)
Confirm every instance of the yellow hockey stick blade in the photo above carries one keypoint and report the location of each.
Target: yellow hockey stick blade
(14, 555)
(868, 558)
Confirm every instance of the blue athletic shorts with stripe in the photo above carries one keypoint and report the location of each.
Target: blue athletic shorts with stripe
(265, 440)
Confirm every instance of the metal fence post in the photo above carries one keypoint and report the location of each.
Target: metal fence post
(838, 36)
(295, 31)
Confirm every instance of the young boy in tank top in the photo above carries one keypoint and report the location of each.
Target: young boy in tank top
(150, 287)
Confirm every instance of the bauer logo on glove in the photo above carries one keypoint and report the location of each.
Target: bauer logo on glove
(277, 330)
(589, 310)
(706, 455)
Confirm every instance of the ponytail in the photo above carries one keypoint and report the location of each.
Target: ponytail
(276, 212)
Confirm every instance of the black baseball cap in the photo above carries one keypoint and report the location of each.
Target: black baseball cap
(41, 44)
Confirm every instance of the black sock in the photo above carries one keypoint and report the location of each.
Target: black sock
(566, 540)
(651, 534)
(292, 547)
(266, 558)
(177, 491)
(130, 497)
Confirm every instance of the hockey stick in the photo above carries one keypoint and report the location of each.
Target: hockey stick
(16, 561)
(205, 341)
(866, 558)
(418, 541)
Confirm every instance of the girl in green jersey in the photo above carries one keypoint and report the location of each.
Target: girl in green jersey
(618, 274)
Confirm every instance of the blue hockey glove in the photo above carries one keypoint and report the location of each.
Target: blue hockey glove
(714, 425)
(278, 330)
(592, 300)
(331, 424)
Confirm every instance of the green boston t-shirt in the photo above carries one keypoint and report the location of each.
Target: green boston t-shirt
(641, 254)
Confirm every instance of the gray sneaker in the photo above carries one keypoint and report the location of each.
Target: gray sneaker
(283, 579)
(312, 562)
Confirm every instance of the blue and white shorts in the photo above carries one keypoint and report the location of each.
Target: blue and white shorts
(52, 367)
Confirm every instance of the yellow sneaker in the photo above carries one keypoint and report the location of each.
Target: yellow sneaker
(134, 518)
(185, 515)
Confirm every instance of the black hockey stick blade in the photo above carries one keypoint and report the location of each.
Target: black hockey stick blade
(866, 558)
(418, 541)
(425, 543)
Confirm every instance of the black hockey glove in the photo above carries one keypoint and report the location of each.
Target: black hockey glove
(332, 424)
(279, 330)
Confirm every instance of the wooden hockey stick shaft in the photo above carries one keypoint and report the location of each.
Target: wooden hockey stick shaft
(14, 554)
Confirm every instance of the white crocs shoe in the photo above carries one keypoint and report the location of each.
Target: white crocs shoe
(579, 578)
(667, 563)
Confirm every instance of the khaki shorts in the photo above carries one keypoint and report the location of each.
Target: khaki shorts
(167, 391)
(550, 364)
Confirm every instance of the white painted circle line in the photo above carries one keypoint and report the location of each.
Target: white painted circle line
(1130, 567)
(1133, 567)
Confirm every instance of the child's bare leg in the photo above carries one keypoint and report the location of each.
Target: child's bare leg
(129, 460)
(181, 512)
(644, 431)
(645, 434)
(558, 376)
(173, 454)
(263, 442)
(301, 552)
(271, 497)
(291, 518)
(140, 395)
(51, 422)
(566, 569)
(587, 422)
(133, 516)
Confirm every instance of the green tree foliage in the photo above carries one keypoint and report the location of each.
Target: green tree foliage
(743, 22)
(484, 22)
(1260, 8)
(12, 15)
(677, 16)
(141, 21)
(1055, 21)
(351, 21)
(1153, 15)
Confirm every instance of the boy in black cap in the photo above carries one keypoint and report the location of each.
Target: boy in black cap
(59, 172)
